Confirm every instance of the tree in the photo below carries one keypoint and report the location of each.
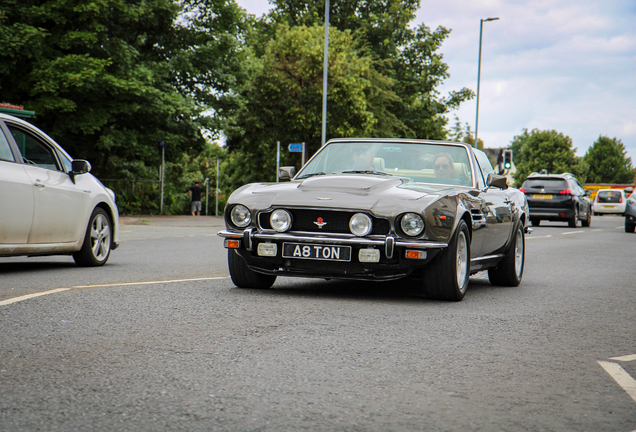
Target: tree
(282, 100)
(110, 78)
(608, 162)
(545, 150)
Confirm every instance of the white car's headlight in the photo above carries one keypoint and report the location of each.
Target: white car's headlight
(360, 224)
(412, 224)
(280, 220)
(240, 216)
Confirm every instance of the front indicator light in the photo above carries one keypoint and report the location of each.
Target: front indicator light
(369, 255)
(232, 244)
(267, 249)
(416, 254)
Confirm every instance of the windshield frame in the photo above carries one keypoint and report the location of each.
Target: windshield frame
(461, 151)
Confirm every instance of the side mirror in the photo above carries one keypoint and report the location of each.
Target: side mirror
(497, 181)
(80, 166)
(629, 190)
(588, 192)
(286, 173)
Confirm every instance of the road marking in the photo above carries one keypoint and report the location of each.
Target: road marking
(621, 377)
(538, 237)
(624, 358)
(573, 232)
(30, 296)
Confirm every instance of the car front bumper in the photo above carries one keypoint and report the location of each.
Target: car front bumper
(392, 260)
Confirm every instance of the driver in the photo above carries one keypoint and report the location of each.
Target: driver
(444, 166)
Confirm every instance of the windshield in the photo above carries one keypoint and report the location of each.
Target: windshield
(425, 163)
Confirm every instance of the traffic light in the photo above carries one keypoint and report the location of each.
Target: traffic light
(507, 159)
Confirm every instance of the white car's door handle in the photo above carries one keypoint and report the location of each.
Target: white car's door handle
(38, 184)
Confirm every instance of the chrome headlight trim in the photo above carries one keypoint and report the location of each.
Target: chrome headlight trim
(360, 224)
(280, 220)
(412, 224)
(240, 216)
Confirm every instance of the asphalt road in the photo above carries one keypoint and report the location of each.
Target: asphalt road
(160, 339)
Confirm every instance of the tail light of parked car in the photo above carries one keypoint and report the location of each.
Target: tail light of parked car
(523, 190)
(565, 192)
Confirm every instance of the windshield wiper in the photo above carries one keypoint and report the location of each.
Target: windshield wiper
(366, 172)
(311, 175)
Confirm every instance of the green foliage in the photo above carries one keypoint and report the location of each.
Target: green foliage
(110, 78)
(550, 150)
(608, 162)
(460, 134)
(283, 99)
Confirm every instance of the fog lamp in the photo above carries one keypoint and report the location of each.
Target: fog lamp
(369, 255)
(267, 249)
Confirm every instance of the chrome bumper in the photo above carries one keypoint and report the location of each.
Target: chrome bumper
(389, 243)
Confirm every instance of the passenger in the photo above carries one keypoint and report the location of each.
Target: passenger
(444, 166)
(363, 156)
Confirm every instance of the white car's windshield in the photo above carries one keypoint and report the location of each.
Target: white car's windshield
(426, 163)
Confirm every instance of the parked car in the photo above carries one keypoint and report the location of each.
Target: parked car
(630, 213)
(427, 210)
(557, 197)
(609, 201)
(51, 205)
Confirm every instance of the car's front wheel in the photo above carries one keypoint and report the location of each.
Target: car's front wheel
(447, 279)
(243, 277)
(97, 241)
(510, 270)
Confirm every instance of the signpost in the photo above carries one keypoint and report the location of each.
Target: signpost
(299, 147)
(163, 145)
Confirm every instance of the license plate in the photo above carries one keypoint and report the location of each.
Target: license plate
(317, 252)
(542, 196)
(610, 206)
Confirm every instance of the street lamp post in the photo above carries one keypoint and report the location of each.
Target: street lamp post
(325, 73)
(481, 28)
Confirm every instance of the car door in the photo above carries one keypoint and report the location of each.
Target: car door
(58, 202)
(16, 197)
(497, 209)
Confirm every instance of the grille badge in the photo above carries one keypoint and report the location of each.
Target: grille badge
(320, 222)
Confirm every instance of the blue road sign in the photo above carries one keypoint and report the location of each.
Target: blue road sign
(161, 143)
(296, 147)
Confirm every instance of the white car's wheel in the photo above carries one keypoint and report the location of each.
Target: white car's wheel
(97, 241)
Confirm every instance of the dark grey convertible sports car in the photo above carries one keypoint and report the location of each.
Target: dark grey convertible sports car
(378, 210)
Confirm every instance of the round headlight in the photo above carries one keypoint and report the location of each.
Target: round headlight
(281, 220)
(240, 216)
(360, 224)
(412, 224)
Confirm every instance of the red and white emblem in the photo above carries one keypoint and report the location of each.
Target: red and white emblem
(320, 223)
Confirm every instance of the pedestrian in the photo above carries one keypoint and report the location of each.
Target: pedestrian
(195, 193)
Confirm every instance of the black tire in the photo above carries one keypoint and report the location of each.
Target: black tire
(587, 222)
(97, 240)
(629, 228)
(510, 270)
(572, 222)
(243, 277)
(447, 278)
(535, 222)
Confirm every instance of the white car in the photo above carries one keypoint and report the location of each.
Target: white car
(49, 203)
(609, 201)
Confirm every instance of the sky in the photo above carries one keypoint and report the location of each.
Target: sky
(567, 65)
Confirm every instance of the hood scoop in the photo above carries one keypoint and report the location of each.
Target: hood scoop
(354, 184)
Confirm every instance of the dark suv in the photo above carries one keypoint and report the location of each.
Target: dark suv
(557, 197)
